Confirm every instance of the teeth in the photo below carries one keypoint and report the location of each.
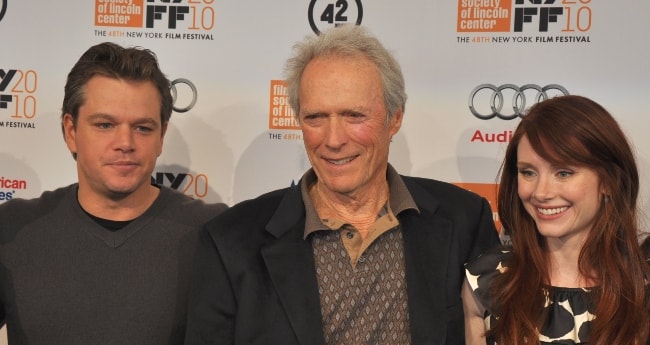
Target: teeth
(551, 211)
(341, 161)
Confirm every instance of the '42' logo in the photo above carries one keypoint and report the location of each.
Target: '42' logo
(334, 13)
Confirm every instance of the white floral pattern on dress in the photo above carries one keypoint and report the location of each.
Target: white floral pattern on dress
(569, 310)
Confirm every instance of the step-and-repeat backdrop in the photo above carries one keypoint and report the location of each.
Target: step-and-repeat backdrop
(469, 66)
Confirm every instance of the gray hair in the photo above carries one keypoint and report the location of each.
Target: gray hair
(347, 40)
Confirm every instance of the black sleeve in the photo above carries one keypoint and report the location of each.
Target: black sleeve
(212, 305)
(486, 234)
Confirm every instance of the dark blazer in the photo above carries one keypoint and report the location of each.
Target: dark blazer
(255, 281)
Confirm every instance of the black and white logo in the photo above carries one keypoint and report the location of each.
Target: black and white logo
(328, 13)
(186, 95)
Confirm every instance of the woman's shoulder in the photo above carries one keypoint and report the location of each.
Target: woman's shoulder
(494, 259)
(482, 271)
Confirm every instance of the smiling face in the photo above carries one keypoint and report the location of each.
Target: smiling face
(563, 200)
(117, 138)
(343, 121)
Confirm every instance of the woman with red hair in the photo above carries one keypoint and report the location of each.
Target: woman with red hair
(575, 273)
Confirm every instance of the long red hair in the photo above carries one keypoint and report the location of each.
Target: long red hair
(575, 130)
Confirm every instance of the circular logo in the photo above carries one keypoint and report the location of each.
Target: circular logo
(3, 8)
(324, 14)
(175, 95)
(487, 105)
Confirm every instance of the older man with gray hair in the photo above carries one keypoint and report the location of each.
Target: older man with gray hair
(355, 253)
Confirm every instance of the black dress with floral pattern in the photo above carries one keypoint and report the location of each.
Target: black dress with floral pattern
(569, 309)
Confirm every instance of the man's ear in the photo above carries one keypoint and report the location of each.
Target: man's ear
(69, 133)
(396, 122)
(163, 129)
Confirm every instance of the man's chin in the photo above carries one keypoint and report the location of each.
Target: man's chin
(340, 188)
(117, 193)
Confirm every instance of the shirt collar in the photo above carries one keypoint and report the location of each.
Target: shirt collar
(399, 198)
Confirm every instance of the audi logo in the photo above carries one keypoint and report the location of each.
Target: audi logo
(520, 100)
(175, 95)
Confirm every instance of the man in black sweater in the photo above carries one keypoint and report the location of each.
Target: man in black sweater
(105, 260)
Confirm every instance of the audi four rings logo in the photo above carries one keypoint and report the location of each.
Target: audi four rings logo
(192, 102)
(520, 99)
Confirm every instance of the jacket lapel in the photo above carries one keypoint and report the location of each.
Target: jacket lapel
(290, 264)
(427, 245)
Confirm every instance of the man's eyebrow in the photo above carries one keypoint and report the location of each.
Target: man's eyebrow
(99, 116)
(146, 120)
(140, 120)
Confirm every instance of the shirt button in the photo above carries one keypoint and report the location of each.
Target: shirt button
(350, 234)
(362, 258)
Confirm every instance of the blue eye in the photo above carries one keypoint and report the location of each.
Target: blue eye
(143, 129)
(526, 172)
(104, 125)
